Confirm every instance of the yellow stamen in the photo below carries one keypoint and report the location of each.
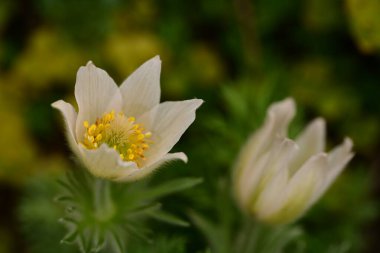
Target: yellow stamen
(119, 132)
(92, 129)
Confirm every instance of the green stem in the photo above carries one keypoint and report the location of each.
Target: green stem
(248, 237)
(256, 237)
(103, 204)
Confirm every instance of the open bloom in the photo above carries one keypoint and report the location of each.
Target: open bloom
(124, 133)
(277, 179)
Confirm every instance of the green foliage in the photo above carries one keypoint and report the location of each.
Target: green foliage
(80, 24)
(39, 216)
(161, 245)
(101, 216)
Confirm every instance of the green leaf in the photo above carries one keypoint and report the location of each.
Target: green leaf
(168, 218)
(71, 236)
(211, 231)
(139, 232)
(117, 243)
(171, 187)
(281, 237)
(143, 210)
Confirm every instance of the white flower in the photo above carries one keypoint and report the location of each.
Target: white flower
(277, 179)
(124, 133)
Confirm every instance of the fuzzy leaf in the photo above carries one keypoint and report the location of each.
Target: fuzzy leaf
(171, 187)
(168, 218)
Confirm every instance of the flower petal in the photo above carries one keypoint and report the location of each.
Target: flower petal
(279, 157)
(255, 175)
(70, 116)
(141, 90)
(272, 195)
(281, 113)
(247, 180)
(167, 122)
(133, 175)
(274, 177)
(104, 162)
(305, 183)
(276, 125)
(96, 93)
(298, 194)
(311, 141)
(337, 160)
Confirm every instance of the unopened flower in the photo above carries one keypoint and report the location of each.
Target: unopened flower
(124, 133)
(277, 179)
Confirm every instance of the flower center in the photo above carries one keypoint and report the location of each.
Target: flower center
(119, 132)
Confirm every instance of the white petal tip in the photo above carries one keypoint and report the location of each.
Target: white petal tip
(56, 104)
(282, 108)
(320, 122)
(59, 105)
(156, 60)
(176, 156)
(348, 144)
(289, 100)
(90, 63)
(287, 103)
(288, 143)
(198, 102)
(183, 157)
(319, 157)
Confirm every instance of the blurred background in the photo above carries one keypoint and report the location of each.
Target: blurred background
(237, 55)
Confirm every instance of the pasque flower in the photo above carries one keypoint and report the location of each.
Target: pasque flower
(277, 179)
(124, 133)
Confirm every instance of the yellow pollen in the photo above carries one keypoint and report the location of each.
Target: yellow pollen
(119, 132)
(92, 129)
